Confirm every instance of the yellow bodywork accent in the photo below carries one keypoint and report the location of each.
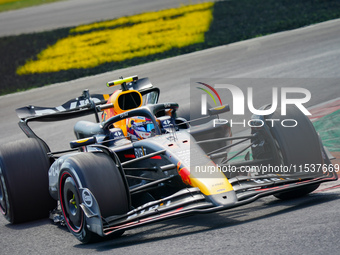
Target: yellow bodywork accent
(217, 183)
(114, 100)
(83, 140)
(121, 81)
(220, 107)
(106, 96)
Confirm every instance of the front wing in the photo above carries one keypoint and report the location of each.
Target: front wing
(191, 201)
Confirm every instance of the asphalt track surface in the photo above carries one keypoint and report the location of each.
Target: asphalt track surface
(69, 13)
(308, 225)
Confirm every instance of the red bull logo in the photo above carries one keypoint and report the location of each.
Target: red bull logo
(184, 173)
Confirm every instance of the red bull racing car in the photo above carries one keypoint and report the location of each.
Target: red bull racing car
(143, 162)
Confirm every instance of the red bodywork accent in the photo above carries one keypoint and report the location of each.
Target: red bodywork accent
(184, 173)
(62, 206)
(133, 156)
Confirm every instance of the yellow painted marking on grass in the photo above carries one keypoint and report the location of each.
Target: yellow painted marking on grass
(124, 38)
(8, 1)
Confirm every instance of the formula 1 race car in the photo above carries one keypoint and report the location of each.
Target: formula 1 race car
(144, 161)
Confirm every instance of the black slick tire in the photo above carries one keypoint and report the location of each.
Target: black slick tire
(98, 173)
(24, 194)
(296, 146)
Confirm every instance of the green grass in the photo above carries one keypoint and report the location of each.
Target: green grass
(327, 127)
(233, 21)
(23, 4)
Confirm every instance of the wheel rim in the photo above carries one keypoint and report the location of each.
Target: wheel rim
(70, 201)
(3, 206)
(2, 200)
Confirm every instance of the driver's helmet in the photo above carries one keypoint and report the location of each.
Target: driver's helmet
(139, 128)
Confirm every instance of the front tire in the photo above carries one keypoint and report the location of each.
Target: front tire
(296, 146)
(98, 173)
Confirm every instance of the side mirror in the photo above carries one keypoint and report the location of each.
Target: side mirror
(83, 142)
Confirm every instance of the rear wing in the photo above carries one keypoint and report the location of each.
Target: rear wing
(77, 107)
(85, 104)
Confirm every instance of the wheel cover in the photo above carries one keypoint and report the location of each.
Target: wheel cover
(70, 201)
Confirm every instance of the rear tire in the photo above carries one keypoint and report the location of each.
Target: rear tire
(296, 146)
(24, 194)
(98, 173)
